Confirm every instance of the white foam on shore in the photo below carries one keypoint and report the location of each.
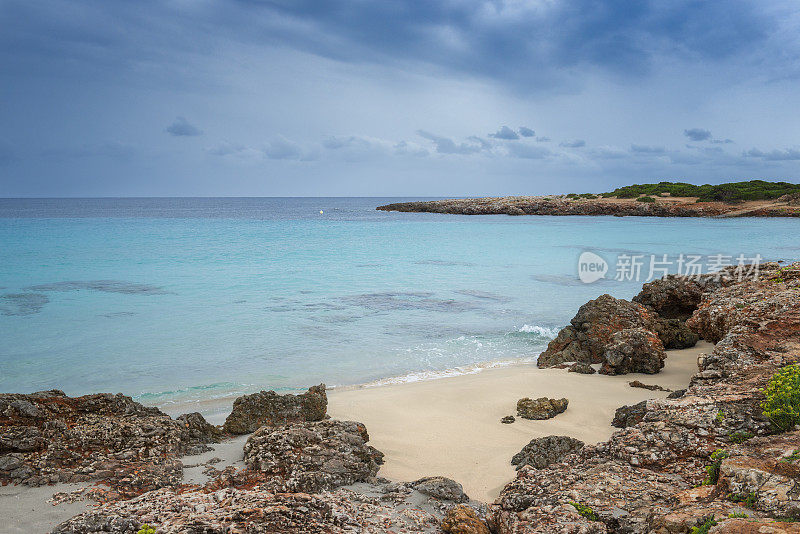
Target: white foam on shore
(540, 330)
(420, 376)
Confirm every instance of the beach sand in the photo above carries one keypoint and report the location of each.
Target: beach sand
(451, 426)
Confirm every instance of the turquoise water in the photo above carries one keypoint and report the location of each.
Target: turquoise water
(175, 299)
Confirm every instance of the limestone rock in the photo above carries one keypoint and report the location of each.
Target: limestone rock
(313, 456)
(268, 408)
(582, 368)
(508, 419)
(633, 350)
(463, 520)
(441, 488)
(672, 297)
(541, 408)
(626, 416)
(591, 330)
(675, 334)
(541, 452)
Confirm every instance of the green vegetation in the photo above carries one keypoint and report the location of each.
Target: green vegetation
(585, 511)
(740, 437)
(729, 192)
(735, 515)
(576, 196)
(792, 457)
(720, 416)
(713, 469)
(782, 403)
(645, 199)
(747, 499)
(146, 529)
(705, 526)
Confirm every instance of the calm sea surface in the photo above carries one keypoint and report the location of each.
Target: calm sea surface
(181, 299)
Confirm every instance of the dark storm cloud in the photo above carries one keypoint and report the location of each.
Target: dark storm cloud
(697, 134)
(505, 133)
(182, 128)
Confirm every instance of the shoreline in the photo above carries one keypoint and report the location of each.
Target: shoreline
(450, 426)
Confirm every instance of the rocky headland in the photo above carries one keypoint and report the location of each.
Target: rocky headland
(703, 458)
(565, 205)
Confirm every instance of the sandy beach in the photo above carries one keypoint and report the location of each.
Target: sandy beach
(451, 426)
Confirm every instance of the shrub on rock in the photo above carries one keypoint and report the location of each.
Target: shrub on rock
(782, 398)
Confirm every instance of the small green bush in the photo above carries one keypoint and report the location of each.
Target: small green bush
(705, 526)
(646, 199)
(747, 499)
(585, 511)
(713, 469)
(782, 398)
(735, 515)
(146, 529)
(740, 437)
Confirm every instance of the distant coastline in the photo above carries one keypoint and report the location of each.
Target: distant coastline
(620, 207)
(755, 198)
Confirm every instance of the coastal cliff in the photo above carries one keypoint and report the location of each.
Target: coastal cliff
(564, 205)
(706, 455)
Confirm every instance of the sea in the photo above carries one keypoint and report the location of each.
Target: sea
(175, 300)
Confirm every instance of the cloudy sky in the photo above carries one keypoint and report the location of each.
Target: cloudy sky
(395, 97)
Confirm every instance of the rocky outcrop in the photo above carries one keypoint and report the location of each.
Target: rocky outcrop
(591, 330)
(48, 437)
(507, 420)
(564, 205)
(541, 452)
(441, 488)
(673, 296)
(541, 408)
(648, 477)
(313, 456)
(633, 350)
(269, 408)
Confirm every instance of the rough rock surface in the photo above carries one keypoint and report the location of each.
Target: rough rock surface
(582, 368)
(591, 330)
(441, 488)
(647, 478)
(508, 419)
(675, 334)
(626, 416)
(633, 350)
(463, 520)
(313, 456)
(541, 408)
(250, 412)
(48, 437)
(673, 296)
(256, 509)
(541, 452)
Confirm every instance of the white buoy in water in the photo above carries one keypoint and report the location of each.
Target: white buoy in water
(320, 212)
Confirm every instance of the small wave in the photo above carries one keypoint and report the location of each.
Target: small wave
(540, 330)
(421, 376)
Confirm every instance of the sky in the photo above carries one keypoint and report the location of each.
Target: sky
(393, 97)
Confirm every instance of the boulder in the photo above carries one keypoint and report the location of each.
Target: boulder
(312, 456)
(582, 368)
(463, 520)
(626, 416)
(269, 408)
(541, 452)
(541, 408)
(591, 330)
(508, 419)
(196, 430)
(633, 350)
(672, 297)
(441, 488)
